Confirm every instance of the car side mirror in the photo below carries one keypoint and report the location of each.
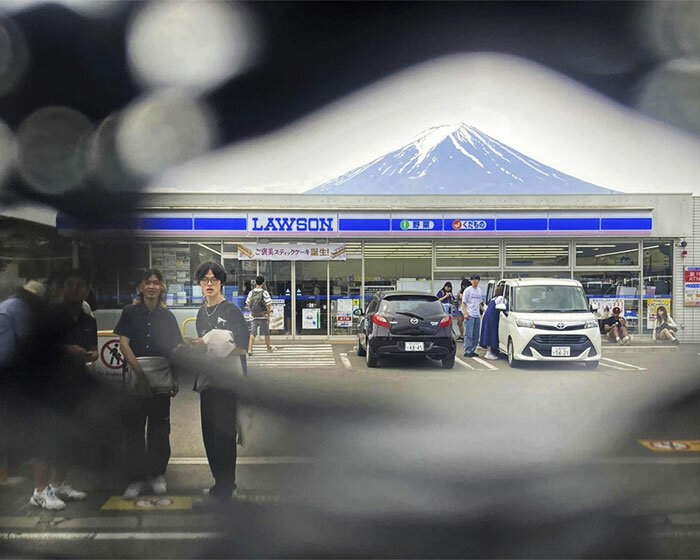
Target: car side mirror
(501, 307)
(358, 312)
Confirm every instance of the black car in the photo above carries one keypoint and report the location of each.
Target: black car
(405, 323)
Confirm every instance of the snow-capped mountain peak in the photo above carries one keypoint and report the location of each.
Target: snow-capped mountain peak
(455, 158)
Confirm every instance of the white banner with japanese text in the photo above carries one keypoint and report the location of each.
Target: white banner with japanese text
(291, 252)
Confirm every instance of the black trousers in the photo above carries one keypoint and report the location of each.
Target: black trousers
(146, 456)
(218, 409)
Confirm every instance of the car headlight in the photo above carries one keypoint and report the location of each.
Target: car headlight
(525, 323)
(591, 325)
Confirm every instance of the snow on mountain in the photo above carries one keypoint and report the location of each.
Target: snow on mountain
(452, 159)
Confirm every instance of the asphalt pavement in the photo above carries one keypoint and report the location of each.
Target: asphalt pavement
(633, 422)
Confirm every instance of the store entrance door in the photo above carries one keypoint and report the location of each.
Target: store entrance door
(278, 282)
(311, 293)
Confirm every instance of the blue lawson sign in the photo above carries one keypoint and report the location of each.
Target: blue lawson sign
(371, 223)
(292, 223)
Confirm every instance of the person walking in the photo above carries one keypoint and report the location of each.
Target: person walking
(148, 337)
(217, 399)
(260, 304)
(472, 305)
(665, 328)
(489, 331)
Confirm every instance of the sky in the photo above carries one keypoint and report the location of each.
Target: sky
(529, 107)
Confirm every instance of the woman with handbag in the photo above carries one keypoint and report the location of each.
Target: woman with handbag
(148, 336)
(665, 327)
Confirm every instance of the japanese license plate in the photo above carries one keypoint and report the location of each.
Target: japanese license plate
(561, 351)
(414, 347)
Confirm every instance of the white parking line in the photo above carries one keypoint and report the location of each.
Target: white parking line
(346, 361)
(463, 363)
(485, 363)
(624, 364)
(614, 367)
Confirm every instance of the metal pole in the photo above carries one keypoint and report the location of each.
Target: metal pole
(76, 253)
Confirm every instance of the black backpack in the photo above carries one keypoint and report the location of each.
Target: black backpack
(257, 303)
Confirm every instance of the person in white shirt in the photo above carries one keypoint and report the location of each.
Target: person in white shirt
(260, 304)
(664, 327)
(472, 306)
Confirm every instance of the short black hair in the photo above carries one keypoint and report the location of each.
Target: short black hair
(74, 273)
(259, 280)
(475, 277)
(216, 269)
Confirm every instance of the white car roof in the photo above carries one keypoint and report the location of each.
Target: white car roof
(543, 282)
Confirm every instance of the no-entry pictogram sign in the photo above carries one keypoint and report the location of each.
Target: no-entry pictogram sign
(111, 355)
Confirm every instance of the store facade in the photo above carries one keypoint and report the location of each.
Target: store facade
(324, 256)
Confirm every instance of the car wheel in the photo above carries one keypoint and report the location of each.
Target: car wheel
(512, 362)
(360, 351)
(591, 365)
(449, 362)
(369, 356)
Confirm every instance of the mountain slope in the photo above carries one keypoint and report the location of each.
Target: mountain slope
(453, 159)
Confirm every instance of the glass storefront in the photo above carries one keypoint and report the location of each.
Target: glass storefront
(540, 254)
(657, 278)
(607, 254)
(345, 296)
(606, 290)
(311, 297)
(319, 297)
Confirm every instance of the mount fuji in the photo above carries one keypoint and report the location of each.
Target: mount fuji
(456, 159)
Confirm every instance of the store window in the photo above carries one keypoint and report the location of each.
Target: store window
(397, 266)
(466, 256)
(606, 290)
(535, 254)
(116, 271)
(178, 262)
(657, 275)
(346, 285)
(607, 254)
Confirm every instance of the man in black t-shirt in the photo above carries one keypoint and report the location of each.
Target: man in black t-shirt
(615, 327)
(218, 403)
(147, 329)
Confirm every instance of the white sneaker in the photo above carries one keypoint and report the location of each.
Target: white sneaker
(491, 356)
(158, 485)
(67, 492)
(47, 499)
(627, 340)
(271, 349)
(134, 490)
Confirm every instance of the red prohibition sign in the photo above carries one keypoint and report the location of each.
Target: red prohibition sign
(111, 355)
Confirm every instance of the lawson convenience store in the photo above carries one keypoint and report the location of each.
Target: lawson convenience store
(324, 256)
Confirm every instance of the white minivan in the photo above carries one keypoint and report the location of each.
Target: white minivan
(547, 319)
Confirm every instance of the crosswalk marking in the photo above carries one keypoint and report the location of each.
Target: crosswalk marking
(307, 356)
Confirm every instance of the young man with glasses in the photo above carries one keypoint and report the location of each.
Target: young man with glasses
(217, 401)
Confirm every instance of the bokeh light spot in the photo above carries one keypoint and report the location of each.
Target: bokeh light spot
(186, 44)
(51, 145)
(163, 130)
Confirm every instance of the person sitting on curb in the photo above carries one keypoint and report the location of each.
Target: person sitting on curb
(615, 328)
(665, 328)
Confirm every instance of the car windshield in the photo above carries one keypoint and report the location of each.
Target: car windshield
(550, 299)
(412, 306)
